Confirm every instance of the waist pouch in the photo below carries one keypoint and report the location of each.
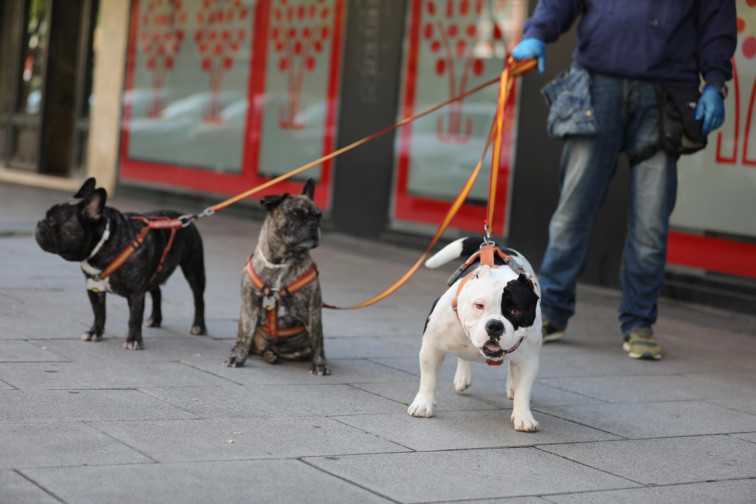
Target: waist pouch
(679, 132)
(569, 100)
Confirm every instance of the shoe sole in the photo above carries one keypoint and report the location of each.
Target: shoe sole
(634, 355)
(553, 336)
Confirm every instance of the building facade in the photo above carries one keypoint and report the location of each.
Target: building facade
(213, 97)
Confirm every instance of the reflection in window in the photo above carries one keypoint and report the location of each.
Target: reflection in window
(30, 92)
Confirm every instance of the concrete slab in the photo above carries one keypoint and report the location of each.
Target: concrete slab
(104, 375)
(467, 474)
(274, 400)
(23, 351)
(256, 372)
(717, 492)
(667, 461)
(642, 389)
(59, 444)
(200, 483)
(84, 405)
(371, 347)
(16, 489)
(482, 395)
(657, 419)
(160, 345)
(469, 429)
(244, 438)
(751, 436)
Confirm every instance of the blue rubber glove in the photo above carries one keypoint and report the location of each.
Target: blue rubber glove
(531, 48)
(711, 108)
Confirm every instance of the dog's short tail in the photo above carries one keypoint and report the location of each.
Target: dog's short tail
(462, 248)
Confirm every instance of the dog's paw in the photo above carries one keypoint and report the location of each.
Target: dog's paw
(462, 382)
(198, 330)
(319, 369)
(91, 336)
(525, 422)
(233, 362)
(153, 323)
(422, 407)
(269, 357)
(133, 345)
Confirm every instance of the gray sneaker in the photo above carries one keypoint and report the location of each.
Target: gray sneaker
(641, 344)
(549, 332)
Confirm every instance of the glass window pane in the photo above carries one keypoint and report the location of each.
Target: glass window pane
(30, 92)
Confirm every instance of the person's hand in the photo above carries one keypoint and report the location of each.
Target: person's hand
(710, 108)
(531, 48)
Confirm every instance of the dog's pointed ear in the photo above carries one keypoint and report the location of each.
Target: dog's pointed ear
(86, 188)
(272, 201)
(525, 279)
(93, 204)
(309, 188)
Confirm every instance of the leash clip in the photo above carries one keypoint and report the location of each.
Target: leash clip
(187, 219)
(487, 238)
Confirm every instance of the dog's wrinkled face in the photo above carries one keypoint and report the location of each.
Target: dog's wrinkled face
(494, 306)
(295, 219)
(69, 229)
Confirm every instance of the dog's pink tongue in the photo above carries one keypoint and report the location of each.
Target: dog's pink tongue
(493, 347)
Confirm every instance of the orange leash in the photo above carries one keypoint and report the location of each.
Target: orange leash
(511, 69)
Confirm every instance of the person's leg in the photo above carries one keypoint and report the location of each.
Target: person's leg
(652, 194)
(585, 172)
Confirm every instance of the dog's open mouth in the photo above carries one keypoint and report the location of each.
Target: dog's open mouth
(492, 350)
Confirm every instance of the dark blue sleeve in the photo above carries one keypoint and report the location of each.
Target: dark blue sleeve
(716, 24)
(552, 18)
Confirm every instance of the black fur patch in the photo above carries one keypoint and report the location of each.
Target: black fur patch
(429, 314)
(518, 302)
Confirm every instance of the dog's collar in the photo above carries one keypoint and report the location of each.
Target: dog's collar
(269, 264)
(103, 239)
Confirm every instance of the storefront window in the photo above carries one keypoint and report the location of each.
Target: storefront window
(450, 47)
(30, 92)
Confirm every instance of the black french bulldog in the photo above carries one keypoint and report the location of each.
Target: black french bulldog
(281, 301)
(87, 231)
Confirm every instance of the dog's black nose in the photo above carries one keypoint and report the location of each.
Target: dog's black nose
(494, 327)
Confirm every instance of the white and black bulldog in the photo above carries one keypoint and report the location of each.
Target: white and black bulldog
(488, 314)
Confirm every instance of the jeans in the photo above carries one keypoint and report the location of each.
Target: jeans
(627, 117)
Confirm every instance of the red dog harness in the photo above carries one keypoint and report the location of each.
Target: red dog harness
(486, 254)
(272, 296)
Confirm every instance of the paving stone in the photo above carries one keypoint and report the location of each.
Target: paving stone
(160, 345)
(84, 405)
(467, 474)
(667, 461)
(274, 400)
(657, 419)
(58, 444)
(104, 375)
(22, 351)
(469, 429)
(482, 395)
(229, 482)
(251, 438)
(718, 492)
(16, 489)
(370, 347)
(640, 389)
(751, 436)
(256, 372)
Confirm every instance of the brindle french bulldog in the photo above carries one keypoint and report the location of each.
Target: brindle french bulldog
(87, 231)
(285, 295)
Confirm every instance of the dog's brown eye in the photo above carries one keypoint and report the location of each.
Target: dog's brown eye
(515, 311)
(478, 306)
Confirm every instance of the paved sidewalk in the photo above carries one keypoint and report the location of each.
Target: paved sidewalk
(93, 423)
